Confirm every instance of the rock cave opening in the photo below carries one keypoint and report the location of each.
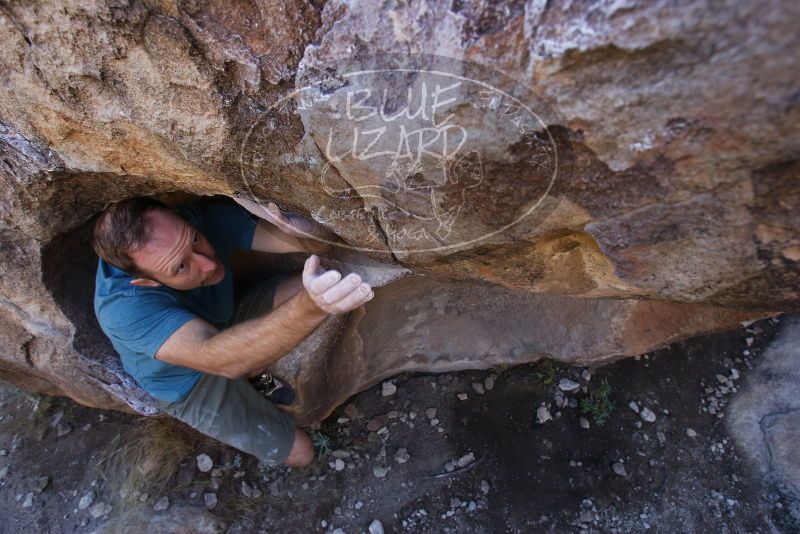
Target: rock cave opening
(69, 266)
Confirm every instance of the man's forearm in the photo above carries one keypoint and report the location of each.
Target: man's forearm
(256, 343)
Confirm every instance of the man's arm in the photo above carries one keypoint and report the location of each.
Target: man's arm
(254, 344)
(269, 238)
(281, 232)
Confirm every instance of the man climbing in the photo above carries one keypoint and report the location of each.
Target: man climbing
(164, 297)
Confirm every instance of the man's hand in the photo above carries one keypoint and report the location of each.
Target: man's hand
(330, 292)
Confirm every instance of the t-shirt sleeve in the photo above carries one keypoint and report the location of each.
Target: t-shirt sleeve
(232, 223)
(143, 324)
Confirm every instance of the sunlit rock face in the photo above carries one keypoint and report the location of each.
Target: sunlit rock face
(581, 181)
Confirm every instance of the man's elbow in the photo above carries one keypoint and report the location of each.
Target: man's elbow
(232, 373)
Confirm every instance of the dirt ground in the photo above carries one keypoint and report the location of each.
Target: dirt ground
(480, 464)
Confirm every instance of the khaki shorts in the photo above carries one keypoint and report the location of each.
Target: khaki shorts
(232, 411)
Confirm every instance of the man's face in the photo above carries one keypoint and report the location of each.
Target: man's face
(176, 255)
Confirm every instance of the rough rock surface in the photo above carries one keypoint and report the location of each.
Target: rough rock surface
(765, 417)
(663, 168)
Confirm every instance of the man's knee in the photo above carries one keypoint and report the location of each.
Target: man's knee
(302, 452)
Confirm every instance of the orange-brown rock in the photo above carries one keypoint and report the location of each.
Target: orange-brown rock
(629, 174)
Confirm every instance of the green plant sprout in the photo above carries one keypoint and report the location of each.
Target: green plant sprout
(546, 371)
(598, 405)
(322, 443)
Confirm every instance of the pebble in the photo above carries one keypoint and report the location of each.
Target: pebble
(648, 415)
(86, 501)
(586, 375)
(388, 389)
(376, 423)
(338, 464)
(584, 422)
(161, 504)
(430, 413)
(633, 406)
(3, 472)
(466, 460)
(63, 429)
(691, 433)
(619, 469)
(379, 471)
(28, 500)
(543, 415)
(721, 379)
(250, 491)
(210, 499)
(401, 456)
(734, 374)
(488, 382)
(204, 463)
(338, 531)
(477, 387)
(462, 396)
(99, 510)
(434, 422)
(56, 418)
(376, 527)
(352, 411)
(565, 384)
(41, 483)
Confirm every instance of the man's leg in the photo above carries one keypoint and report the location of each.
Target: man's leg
(232, 412)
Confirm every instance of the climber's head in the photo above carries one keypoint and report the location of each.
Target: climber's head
(147, 239)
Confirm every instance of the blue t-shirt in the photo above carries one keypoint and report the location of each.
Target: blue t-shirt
(138, 320)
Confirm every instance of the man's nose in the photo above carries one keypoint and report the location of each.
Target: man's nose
(205, 263)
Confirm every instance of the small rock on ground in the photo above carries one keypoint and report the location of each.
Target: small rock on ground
(204, 463)
(376, 527)
(161, 504)
(99, 510)
(387, 389)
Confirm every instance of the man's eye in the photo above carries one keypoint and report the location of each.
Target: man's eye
(181, 268)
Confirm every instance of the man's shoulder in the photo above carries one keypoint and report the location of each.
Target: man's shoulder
(116, 299)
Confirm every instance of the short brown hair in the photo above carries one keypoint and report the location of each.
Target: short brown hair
(121, 229)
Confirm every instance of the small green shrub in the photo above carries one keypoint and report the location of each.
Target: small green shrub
(598, 405)
(546, 371)
(322, 443)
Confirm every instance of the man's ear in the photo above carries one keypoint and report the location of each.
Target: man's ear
(144, 282)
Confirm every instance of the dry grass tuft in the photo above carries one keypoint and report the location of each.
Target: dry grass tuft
(144, 459)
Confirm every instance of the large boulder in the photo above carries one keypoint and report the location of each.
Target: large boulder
(764, 418)
(622, 176)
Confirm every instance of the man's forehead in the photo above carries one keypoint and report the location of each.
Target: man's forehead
(164, 233)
